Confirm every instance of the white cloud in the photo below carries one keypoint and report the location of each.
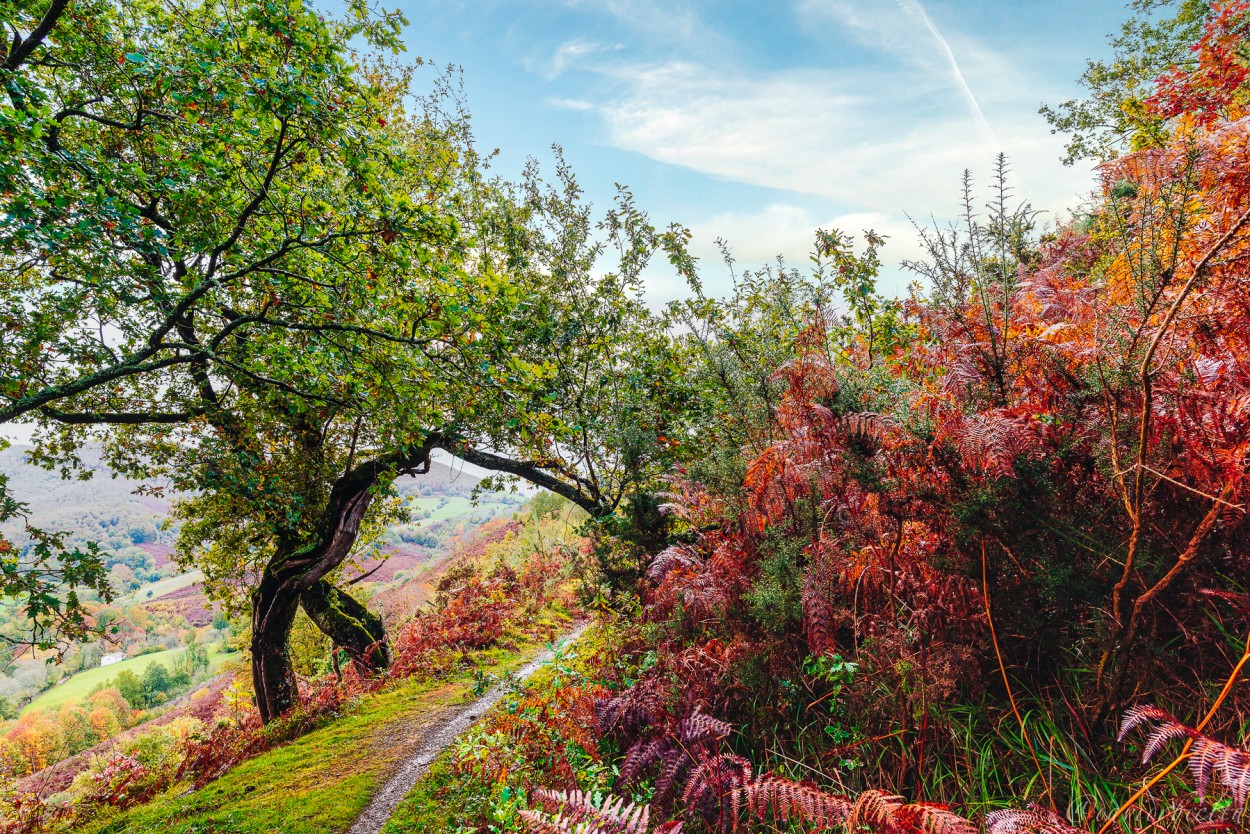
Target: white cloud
(756, 239)
(567, 55)
(803, 131)
(888, 136)
(577, 104)
(875, 134)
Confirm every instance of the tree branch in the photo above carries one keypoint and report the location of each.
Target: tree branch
(123, 418)
(586, 496)
(23, 48)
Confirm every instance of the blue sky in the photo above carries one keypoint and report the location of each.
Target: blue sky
(759, 122)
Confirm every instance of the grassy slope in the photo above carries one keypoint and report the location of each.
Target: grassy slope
(454, 506)
(79, 686)
(155, 590)
(319, 783)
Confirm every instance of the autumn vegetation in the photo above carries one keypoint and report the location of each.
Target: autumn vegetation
(973, 559)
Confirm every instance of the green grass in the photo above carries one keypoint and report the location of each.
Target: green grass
(155, 590)
(79, 686)
(316, 784)
(452, 506)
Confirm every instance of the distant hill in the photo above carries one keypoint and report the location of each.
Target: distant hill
(129, 527)
(106, 508)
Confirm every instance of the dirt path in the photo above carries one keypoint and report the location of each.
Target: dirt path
(438, 736)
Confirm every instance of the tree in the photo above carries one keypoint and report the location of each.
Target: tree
(604, 418)
(258, 208)
(530, 364)
(155, 683)
(131, 688)
(158, 207)
(1116, 116)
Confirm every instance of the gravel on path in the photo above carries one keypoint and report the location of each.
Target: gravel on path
(441, 734)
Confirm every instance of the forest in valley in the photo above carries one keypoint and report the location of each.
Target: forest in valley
(807, 556)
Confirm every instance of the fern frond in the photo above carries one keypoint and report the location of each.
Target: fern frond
(670, 782)
(1209, 759)
(536, 822)
(642, 755)
(702, 727)
(874, 809)
(1138, 715)
(1161, 735)
(1032, 821)
(865, 427)
(577, 811)
(713, 782)
(938, 819)
(632, 711)
(787, 799)
(677, 556)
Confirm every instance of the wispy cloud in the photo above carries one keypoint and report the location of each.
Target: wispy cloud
(956, 72)
(804, 131)
(569, 52)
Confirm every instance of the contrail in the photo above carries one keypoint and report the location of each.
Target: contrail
(914, 5)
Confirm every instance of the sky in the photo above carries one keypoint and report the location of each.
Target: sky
(759, 122)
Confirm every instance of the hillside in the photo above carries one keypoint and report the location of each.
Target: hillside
(157, 603)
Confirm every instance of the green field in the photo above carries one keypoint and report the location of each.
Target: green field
(453, 507)
(78, 687)
(161, 587)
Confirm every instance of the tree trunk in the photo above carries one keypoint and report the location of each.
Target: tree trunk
(274, 605)
(300, 565)
(349, 624)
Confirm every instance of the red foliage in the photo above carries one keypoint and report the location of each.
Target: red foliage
(1212, 88)
(1072, 443)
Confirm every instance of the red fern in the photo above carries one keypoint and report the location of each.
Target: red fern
(577, 811)
(1208, 758)
(1032, 821)
(787, 800)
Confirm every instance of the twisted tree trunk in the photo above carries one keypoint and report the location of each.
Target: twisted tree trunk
(273, 678)
(349, 624)
(298, 569)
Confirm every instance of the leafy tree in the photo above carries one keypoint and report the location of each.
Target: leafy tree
(195, 659)
(131, 688)
(155, 683)
(1116, 116)
(250, 201)
(605, 418)
(175, 179)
